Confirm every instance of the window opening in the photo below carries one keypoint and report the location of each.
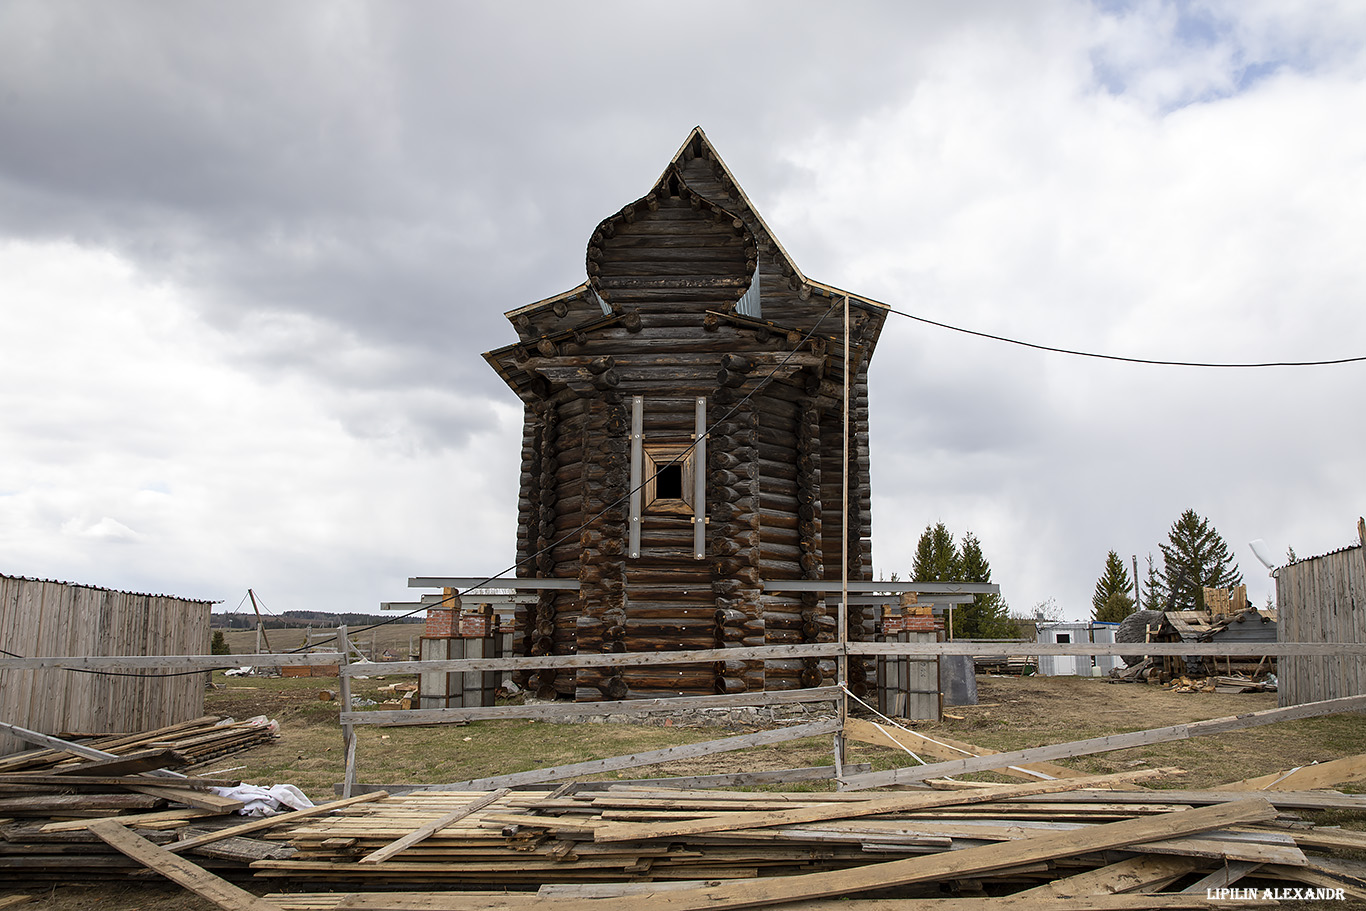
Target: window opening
(665, 477)
(669, 482)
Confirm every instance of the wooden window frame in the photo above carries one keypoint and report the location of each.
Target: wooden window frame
(648, 458)
(658, 456)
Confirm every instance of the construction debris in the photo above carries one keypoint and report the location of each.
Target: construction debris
(1061, 839)
(1044, 842)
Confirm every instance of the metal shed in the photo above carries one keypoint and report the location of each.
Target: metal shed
(1077, 665)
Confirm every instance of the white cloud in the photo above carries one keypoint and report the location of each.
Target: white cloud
(1045, 207)
(130, 422)
(248, 263)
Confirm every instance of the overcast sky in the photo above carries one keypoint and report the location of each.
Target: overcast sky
(250, 254)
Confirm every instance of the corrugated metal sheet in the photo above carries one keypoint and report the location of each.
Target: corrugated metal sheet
(749, 303)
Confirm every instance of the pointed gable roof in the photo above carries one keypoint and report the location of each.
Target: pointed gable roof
(748, 277)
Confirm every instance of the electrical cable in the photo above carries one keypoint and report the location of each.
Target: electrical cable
(1117, 357)
(763, 383)
(626, 496)
(94, 672)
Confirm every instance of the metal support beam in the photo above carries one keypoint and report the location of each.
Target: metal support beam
(637, 479)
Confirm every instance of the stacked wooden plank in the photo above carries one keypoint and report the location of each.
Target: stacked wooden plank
(49, 798)
(199, 740)
(997, 840)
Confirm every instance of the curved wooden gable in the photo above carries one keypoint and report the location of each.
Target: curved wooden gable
(672, 249)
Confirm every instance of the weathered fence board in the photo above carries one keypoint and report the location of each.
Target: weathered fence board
(77, 623)
(1323, 599)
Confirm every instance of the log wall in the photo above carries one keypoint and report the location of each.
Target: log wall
(660, 318)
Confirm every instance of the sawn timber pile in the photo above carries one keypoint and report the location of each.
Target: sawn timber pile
(596, 840)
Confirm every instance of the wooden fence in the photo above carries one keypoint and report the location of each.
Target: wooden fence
(1323, 599)
(833, 695)
(61, 619)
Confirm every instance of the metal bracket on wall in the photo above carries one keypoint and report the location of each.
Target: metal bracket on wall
(637, 458)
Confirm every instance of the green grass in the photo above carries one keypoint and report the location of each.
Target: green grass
(1015, 714)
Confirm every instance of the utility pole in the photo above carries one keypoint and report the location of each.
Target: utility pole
(1137, 601)
(260, 626)
(842, 620)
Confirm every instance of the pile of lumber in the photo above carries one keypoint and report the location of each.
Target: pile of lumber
(1089, 836)
(50, 797)
(1076, 843)
(1238, 683)
(200, 740)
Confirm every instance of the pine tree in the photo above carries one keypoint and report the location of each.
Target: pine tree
(1114, 596)
(1196, 558)
(219, 645)
(1154, 589)
(936, 556)
(988, 617)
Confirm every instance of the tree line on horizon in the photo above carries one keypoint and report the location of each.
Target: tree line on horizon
(1194, 558)
(938, 558)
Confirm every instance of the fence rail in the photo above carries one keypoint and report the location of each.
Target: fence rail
(756, 653)
(349, 719)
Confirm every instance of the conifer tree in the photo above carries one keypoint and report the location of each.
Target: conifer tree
(936, 556)
(988, 616)
(1196, 558)
(1114, 596)
(1154, 589)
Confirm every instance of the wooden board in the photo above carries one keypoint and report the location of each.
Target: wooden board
(849, 809)
(937, 867)
(178, 870)
(359, 901)
(426, 830)
(1107, 743)
(1305, 778)
(270, 822)
(945, 748)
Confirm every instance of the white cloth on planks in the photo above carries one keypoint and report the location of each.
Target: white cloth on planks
(259, 801)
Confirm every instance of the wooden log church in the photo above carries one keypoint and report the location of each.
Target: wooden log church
(683, 448)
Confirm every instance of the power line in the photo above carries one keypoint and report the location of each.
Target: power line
(1117, 357)
(624, 497)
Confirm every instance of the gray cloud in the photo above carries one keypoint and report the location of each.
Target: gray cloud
(318, 213)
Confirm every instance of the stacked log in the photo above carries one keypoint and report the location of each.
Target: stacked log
(704, 304)
(602, 584)
(734, 537)
(817, 624)
(541, 625)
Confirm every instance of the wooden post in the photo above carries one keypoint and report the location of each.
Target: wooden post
(842, 621)
(260, 625)
(348, 730)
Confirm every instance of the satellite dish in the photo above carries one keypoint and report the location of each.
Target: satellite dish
(1262, 553)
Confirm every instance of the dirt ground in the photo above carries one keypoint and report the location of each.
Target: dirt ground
(1011, 713)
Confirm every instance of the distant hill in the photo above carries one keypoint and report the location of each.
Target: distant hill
(301, 619)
